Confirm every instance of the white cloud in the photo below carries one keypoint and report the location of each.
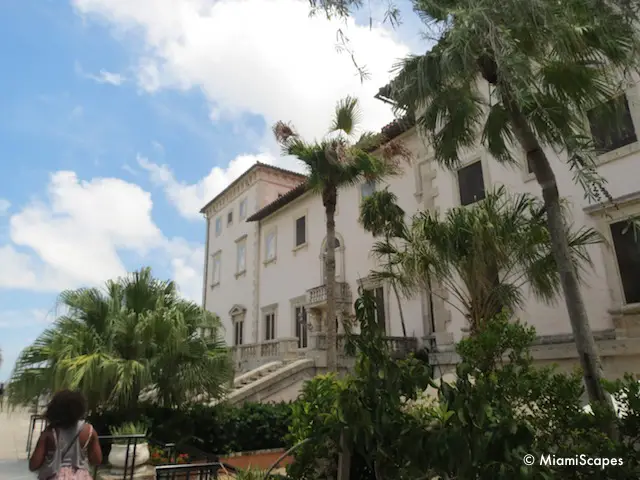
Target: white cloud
(187, 266)
(266, 57)
(190, 198)
(79, 229)
(5, 205)
(104, 76)
(75, 237)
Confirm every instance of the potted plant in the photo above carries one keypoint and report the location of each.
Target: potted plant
(122, 450)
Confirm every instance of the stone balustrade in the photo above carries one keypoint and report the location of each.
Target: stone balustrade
(250, 356)
(253, 355)
(318, 295)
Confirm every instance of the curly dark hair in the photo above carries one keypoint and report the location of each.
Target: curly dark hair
(66, 408)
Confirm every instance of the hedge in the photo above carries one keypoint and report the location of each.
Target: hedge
(218, 429)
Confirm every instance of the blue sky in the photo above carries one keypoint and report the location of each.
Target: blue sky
(121, 119)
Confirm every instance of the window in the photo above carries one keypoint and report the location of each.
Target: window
(243, 209)
(367, 189)
(301, 326)
(471, 183)
(215, 270)
(238, 331)
(270, 326)
(218, 226)
(529, 169)
(301, 231)
(378, 295)
(230, 218)
(241, 255)
(611, 125)
(626, 243)
(270, 246)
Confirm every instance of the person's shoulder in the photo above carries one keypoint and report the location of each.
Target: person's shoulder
(88, 428)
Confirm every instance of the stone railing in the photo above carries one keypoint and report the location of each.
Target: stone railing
(252, 355)
(398, 345)
(318, 295)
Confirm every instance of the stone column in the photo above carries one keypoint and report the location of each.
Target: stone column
(315, 320)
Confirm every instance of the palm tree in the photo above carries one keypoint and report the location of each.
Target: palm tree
(547, 63)
(134, 336)
(335, 162)
(381, 215)
(485, 254)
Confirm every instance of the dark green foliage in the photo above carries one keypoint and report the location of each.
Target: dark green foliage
(368, 404)
(501, 408)
(479, 427)
(217, 430)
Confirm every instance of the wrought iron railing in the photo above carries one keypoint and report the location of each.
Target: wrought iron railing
(37, 423)
(192, 471)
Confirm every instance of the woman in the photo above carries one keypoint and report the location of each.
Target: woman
(68, 445)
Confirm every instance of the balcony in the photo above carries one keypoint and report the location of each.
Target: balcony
(317, 296)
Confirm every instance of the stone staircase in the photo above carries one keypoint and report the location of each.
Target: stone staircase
(274, 381)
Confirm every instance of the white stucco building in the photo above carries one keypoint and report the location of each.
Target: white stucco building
(266, 240)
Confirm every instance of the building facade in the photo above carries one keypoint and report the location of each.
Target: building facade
(264, 274)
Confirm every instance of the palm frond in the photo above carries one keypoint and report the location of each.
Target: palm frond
(485, 254)
(136, 336)
(347, 116)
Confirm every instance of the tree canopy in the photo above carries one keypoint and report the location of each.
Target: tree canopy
(133, 336)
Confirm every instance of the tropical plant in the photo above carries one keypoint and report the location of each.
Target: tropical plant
(126, 429)
(250, 474)
(546, 65)
(500, 408)
(381, 216)
(137, 336)
(483, 254)
(219, 428)
(333, 163)
(362, 411)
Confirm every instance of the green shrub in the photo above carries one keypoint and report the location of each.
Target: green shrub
(215, 429)
(499, 409)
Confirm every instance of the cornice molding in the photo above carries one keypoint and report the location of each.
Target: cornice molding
(236, 190)
(623, 200)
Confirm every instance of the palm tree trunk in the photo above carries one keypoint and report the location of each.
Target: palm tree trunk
(585, 343)
(329, 199)
(395, 291)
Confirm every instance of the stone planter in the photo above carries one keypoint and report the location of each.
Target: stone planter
(118, 456)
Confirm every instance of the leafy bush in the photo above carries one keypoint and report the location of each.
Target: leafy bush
(482, 425)
(364, 407)
(499, 409)
(215, 429)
